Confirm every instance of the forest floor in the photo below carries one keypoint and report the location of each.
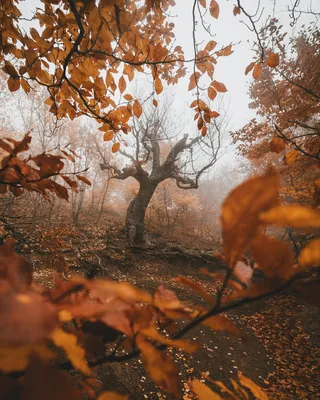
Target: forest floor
(280, 351)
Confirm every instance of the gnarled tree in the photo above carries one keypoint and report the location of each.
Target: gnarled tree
(158, 154)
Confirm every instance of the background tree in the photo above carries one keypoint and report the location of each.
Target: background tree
(155, 158)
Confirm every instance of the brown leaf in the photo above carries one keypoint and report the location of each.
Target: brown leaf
(220, 323)
(115, 147)
(250, 67)
(158, 85)
(291, 157)
(122, 84)
(214, 9)
(195, 287)
(137, 109)
(161, 368)
(203, 391)
(193, 80)
(212, 93)
(13, 84)
(236, 10)
(226, 51)
(292, 215)
(112, 396)
(220, 87)
(240, 212)
(108, 136)
(84, 179)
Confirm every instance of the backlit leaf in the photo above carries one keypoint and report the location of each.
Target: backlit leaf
(292, 215)
(75, 353)
(108, 136)
(240, 212)
(257, 71)
(310, 255)
(115, 147)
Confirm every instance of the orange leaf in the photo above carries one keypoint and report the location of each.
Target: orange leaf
(214, 9)
(155, 103)
(128, 97)
(290, 157)
(292, 215)
(240, 212)
(195, 287)
(210, 46)
(310, 255)
(108, 136)
(274, 258)
(161, 368)
(226, 51)
(193, 80)
(277, 145)
(273, 60)
(222, 324)
(137, 109)
(220, 87)
(115, 147)
(257, 71)
(249, 68)
(112, 396)
(158, 85)
(253, 387)
(203, 391)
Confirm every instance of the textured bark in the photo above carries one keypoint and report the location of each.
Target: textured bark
(136, 212)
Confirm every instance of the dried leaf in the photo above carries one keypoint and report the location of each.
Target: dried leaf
(195, 287)
(137, 109)
(310, 255)
(257, 71)
(253, 387)
(240, 213)
(214, 9)
(212, 93)
(122, 84)
(108, 136)
(158, 85)
(115, 147)
(273, 60)
(203, 391)
(75, 353)
(84, 179)
(292, 215)
(220, 323)
(277, 145)
(13, 84)
(236, 10)
(220, 87)
(250, 67)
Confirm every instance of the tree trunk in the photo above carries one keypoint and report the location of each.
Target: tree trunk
(136, 212)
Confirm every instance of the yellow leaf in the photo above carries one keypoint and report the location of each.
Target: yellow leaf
(214, 9)
(203, 391)
(310, 255)
(158, 85)
(277, 145)
(273, 60)
(241, 209)
(112, 396)
(108, 136)
(292, 215)
(75, 353)
(161, 368)
(13, 84)
(115, 147)
(290, 157)
(257, 71)
(137, 109)
(253, 387)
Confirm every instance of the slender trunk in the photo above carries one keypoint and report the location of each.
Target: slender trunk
(136, 212)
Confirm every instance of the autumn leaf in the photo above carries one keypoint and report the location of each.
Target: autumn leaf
(220, 87)
(273, 60)
(122, 84)
(115, 147)
(243, 272)
(292, 215)
(203, 3)
(214, 9)
(112, 396)
(161, 368)
(249, 68)
(13, 84)
(220, 323)
(291, 157)
(193, 80)
(203, 391)
(84, 179)
(75, 353)
(226, 51)
(108, 136)
(137, 109)
(240, 212)
(155, 103)
(310, 255)
(274, 258)
(158, 85)
(257, 71)
(277, 145)
(236, 10)
(253, 387)
(195, 287)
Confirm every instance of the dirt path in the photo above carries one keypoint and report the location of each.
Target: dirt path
(280, 350)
